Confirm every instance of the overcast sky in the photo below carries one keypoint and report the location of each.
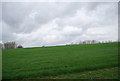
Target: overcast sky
(55, 23)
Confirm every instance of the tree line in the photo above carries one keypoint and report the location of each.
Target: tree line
(9, 45)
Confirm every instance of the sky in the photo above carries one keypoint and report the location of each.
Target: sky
(34, 24)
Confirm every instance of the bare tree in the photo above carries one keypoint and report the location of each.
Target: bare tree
(1, 46)
(10, 45)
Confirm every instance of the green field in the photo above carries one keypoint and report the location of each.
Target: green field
(70, 61)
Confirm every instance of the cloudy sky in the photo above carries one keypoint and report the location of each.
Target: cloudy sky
(55, 23)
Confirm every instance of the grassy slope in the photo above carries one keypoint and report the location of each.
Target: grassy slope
(53, 61)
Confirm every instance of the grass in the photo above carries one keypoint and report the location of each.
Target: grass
(42, 62)
(0, 63)
(107, 73)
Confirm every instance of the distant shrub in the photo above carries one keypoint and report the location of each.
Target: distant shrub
(20, 46)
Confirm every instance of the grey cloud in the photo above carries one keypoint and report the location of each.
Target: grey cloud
(0, 12)
(37, 24)
(14, 13)
(0, 21)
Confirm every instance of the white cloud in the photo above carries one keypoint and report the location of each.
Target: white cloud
(70, 30)
(97, 31)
